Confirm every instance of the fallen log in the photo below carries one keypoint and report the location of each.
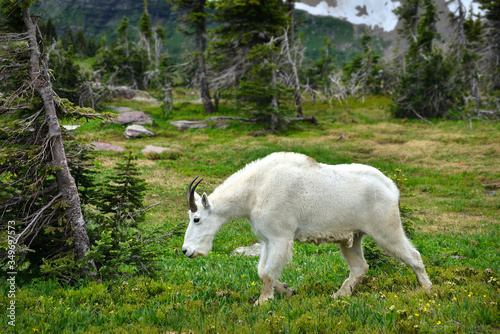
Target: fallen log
(218, 121)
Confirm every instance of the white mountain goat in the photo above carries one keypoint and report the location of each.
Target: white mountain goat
(289, 196)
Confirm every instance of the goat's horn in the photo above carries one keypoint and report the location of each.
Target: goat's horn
(190, 195)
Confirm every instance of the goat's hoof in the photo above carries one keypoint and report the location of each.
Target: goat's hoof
(262, 301)
(336, 295)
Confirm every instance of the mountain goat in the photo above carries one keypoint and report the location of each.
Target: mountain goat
(289, 196)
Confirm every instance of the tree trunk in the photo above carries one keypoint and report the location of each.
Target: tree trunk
(274, 84)
(295, 75)
(204, 90)
(469, 65)
(65, 182)
(291, 14)
(125, 42)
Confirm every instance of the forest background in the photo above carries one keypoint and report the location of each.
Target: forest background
(83, 233)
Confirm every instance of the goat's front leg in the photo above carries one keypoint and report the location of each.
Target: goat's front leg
(273, 258)
(357, 265)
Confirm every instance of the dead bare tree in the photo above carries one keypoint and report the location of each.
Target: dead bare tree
(465, 53)
(285, 49)
(490, 50)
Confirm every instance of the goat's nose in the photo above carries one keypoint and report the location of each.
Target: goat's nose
(184, 250)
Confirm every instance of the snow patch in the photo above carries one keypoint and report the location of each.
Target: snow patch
(374, 13)
(453, 7)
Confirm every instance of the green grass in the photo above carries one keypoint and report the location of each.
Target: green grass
(450, 174)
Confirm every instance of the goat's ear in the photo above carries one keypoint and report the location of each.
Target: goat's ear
(205, 201)
(196, 196)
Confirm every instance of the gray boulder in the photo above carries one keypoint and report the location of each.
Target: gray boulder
(107, 147)
(120, 109)
(156, 152)
(133, 117)
(135, 131)
(253, 250)
(184, 125)
(217, 122)
(156, 149)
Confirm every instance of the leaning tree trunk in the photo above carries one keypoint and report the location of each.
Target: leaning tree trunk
(65, 182)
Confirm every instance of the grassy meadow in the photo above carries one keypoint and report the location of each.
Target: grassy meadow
(448, 174)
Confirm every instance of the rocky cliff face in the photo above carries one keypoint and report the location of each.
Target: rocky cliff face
(373, 13)
(379, 17)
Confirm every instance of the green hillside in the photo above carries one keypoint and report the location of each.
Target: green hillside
(99, 18)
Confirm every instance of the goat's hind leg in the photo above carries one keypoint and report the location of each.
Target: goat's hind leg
(357, 265)
(399, 247)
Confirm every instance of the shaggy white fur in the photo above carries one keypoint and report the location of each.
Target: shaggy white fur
(289, 196)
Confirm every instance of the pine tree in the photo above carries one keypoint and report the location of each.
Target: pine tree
(145, 25)
(67, 76)
(123, 63)
(491, 50)
(247, 41)
(122, 33)
(192, 21)
(50, 32)
(146, 33)
(242, 26)
(80, 43)
(69, 39)
(364, 73)
(425, 88)
(318, 74)
(123, 192)
(119, 244)
(463, 52)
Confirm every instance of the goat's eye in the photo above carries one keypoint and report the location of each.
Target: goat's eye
(196, 220)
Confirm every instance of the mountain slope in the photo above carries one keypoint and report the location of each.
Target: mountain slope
(343, 21)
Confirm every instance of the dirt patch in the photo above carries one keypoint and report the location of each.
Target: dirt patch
(492, 184)
(452, 222)
(392, 141)
(455, 167)
(422, 151)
